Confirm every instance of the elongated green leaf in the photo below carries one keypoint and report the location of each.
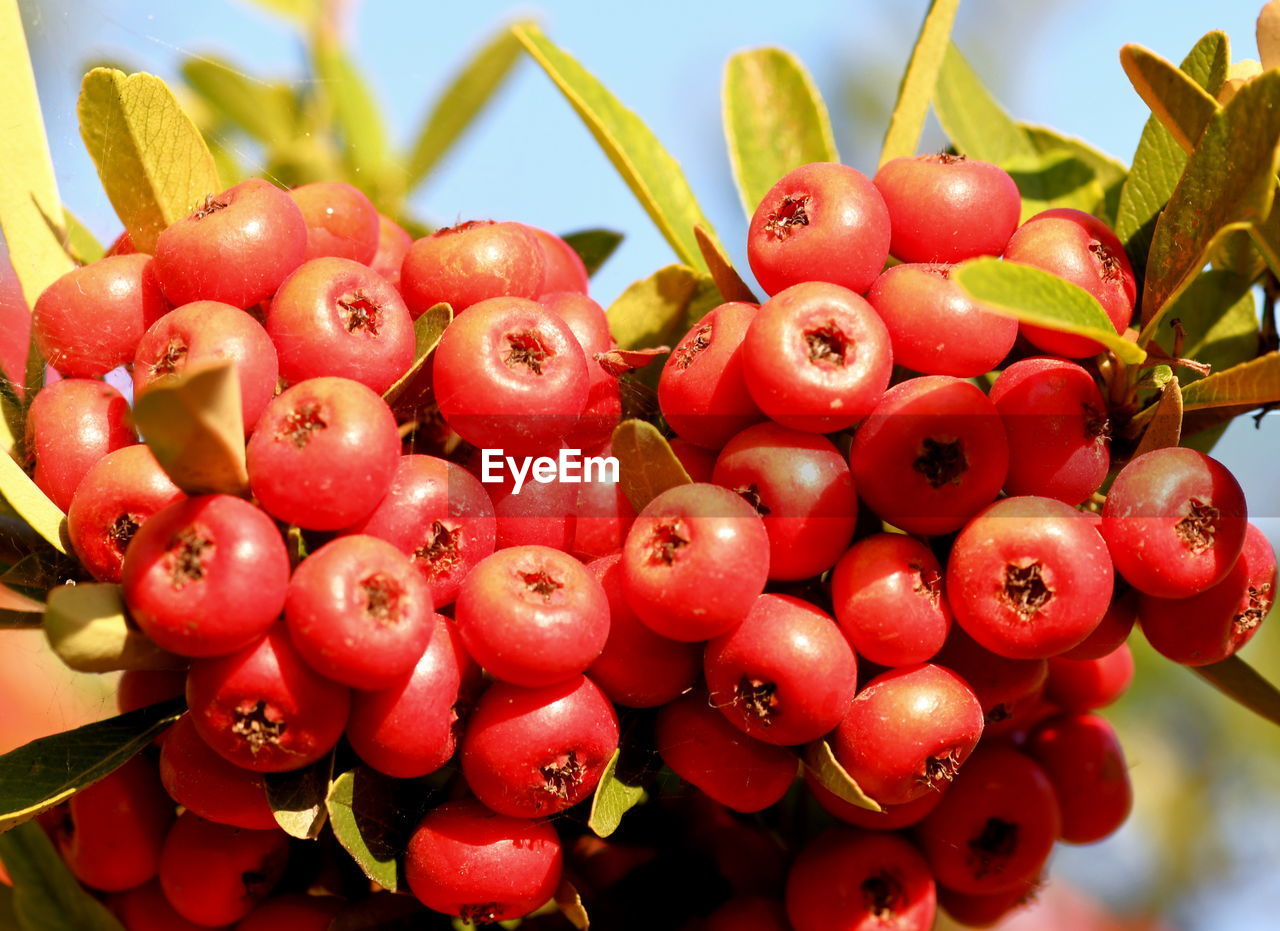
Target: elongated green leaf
(262, 109)
(462, 102)
(1182, 106)
(1037, 297)
(81, 244)
(1243, 684)
(365, 146)
(657, 310)
(1268, 35)
(972, 119)
(651, 173)
(918, 81)
(32, 504)
(1165, 427)
(409, 388)
(593, 246)
(646, 465)
(39, 775)
(1056, 178)
(728, 281)
(86, 627)
(153, 163)
(298, 798)
(1229, 183)
(613, 799)
(821, 762)
(1218, 317)
(1109, 173)
(1251, 383)
(46, 896)
(302, 12)
(774, 120)
(362, 811)
(569, 901)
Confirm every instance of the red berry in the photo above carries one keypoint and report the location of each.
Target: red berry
(1175, 522)
(236, 248)
(887, 595)
(931, 455)
(1081, 755)
(202, 782)
(907, 733)
(1029, 578)
(144, 908)
(585, 318)
(985, 911)
(604, 514)
(393, 245)
(698, 461)
(565, 270)
(948, 208)
(817, 358)
(213, 874)
(530, 753)
(323, 454)
(15, 324)
(694, 561)
(749, 913)
(472, 262)
(90, 320)
(1083, 685)
(1114, 628)
(264, 709)
(206, 576)
(71, 425)
(889, 818)
(341, 221)
(820, 222)
(295, 912)
(543, 514)
(484, 867)
(1009, 690)
(139, 688)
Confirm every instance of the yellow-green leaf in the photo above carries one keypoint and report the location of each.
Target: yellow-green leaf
(302, 12)
(649, 170)
(1182, 106)
(462, 101)
(593, 246)
(1040, 298)
(80, 243)
(971, 118)
(569, 902)
(193, 424)
(298, 797)
(821, 762)
(774, 120)
(262, 109)
(918, 81)
(87, 628)
(32, 504)
(1243, 684)
(659, 309)
(153, 162)
(46, 896)
(356, 112)
(427, 330)
(1218, 317)
(1165, 426)
(728, 282)
(613, 799)
(1109, 173)
(646, 465)
(362, 810)
(1251, 383)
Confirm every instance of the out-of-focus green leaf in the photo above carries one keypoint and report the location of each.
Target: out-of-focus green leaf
(46, 896)
(153, 162)
(1242, 683)
(774, 120)
(657, 310)
(649, 170)
(1037, 297)
(593, 246)
(1054, 179)
(1109, 173)
(87, 628)
(972, 120)
(1182, 106)
(821, 762)
(613, 799)
(81, 244)
(646, 465)
(918, 81)
(365, 822)
(1250, 384)
(1165, 427)
(462, 101)
(302, 12)
(726, 277)
(1219, 319)
(45, 772)
(298, 798)
(262, 109)
(569, 901)
(32, 504)
(365, 146)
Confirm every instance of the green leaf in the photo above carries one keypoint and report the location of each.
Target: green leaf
(774, 120)
(646, 465)
(1243, 684)
(972, 119)
(1250, 384)
(1219, 319)
(613, 799)
(1109, 173)
(1055, 178)
(821, 762)
(1181, 105)
(728, 282)
(304, 13)
(365, 821)
(298, 798)
(652, 174)
(659, 309)
(409, 388)
(1165, 427)
(569, 901)
(1229, 183)
(46, 896)
(593, 246)
(80, 243)
(48, 771)
(1040, 298)
(262, 109)
(919, 81)
(87, 628)
(364, 136)
(32, 504)
(462, 101)
(153, 162)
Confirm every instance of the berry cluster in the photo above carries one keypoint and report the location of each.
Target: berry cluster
(887, 561)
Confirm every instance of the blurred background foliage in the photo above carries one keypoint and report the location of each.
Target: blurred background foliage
(430, 110)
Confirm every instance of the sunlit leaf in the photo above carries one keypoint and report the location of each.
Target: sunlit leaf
(298, 798)
(262, 109)
(646, 465)
(46, 896)
(87, 628)
(1251, 383)
(972, 119)
(918, 81)
(613, 798)
(726, 277)
(355, 111)
(1218, 317)
(1109, 173)
(1182, 106)
(402, 396)
(303, 12)
(362, 811)
(1165, 426)
(659, 309)
(1243, 684)
(821, 762)
(593, 246)
(32, 504)
(569, 901)
(81, 244)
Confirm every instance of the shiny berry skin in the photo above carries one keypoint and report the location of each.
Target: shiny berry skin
(564, 268)
(144, 908)
(698, 461)
(749, 913)
(948, 208)
(935, 327)
(855, 881)
(590, 327)
(139, 688)
(214, 874)
(468, 861)
(1175, 522)
(1209, 627)
(1009, 690)
(393, 244)
(703, 390)
(907, 732)
(604, 514)
(15, 323)
(117, 828)
(585, 318)
(1056, 421)
(1083, 685)
(264, 709)
(706, 751)
(785, 675)
(986, 911)
(532, 616)
(116, 496)
(1114, 628)
(801, 486)
(358, 612)
(1082, 250)
(931, 455)
(236, 248)
(202, 782)
(889, 818)
(638, 668)
(530, 753)
(323, 454)
(408, 729)
(206, 576)
(71, 425)
(341, 221)
(994, 829)
(1029, 578)
(694, 561)
(90, 320)
(1081, 755)
(472, 262)
(510, 374)
(336, 317)
(439, 514)
(205, 332)
(543, 514)
(817, 358)
(888, 596)
(819, 222)
(296, 912)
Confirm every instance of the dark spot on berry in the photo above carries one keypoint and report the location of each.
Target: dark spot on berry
(667, 539)
(948, 158)
(359, 312)
(440, 550)
(1108, 264)
(937, 270)
(299, 424)
(995, 844)
(541, 583)
(462, 227)
(562, 776)
(1025, 589)
(751, 495)
(254, 724)
(186, 555)
(791, 212)
(120, 533)
(528, 349)
(1257, 605)
(928, 583)
(171, 359)
(939, 770)
(941, 462)
(689, 350)
(760, 699)
(382, 596)
(997, 714)
(484, 913)
(1197, 529)
(210, 206)
(882, 896)
(827, 345)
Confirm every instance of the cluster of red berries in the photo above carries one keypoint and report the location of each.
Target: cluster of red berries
(739, 607)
